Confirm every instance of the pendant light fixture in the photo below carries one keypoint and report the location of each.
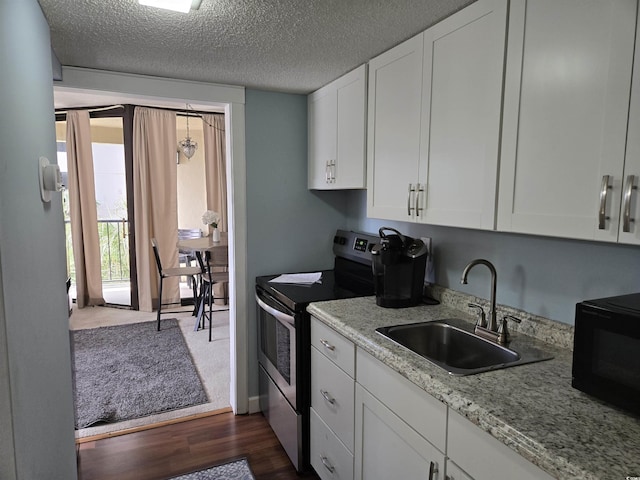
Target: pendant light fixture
(188, 146)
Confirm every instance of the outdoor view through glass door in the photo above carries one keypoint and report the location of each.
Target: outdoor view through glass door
(111, 205)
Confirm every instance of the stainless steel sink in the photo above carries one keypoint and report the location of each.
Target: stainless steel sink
(454, 349)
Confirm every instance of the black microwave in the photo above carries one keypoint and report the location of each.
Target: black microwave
(606, 350)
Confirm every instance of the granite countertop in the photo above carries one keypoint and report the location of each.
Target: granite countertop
(530, 408)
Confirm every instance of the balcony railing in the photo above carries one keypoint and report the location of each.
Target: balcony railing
(114, 250)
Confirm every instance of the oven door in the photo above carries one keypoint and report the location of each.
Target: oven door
(277, 343)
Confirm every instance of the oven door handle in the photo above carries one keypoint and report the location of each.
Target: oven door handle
(283, 317)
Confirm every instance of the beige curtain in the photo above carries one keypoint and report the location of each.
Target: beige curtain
(216, 181)
(155, 194)
(215, 166)
(82, 209)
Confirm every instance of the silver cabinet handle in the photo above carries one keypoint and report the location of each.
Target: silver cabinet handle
(602, 215)
(327, 174)
(328, 397)
(433, 468)
(409, 207)
(626, 211)
(327, 465)
(418, 190)
(327, 345)
(332, 171)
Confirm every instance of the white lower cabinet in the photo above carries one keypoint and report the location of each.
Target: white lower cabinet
(379, 425)
(388, 448)
(454, 472)
(329, 457)
(484, 457)
(400, 430)
(332, 396)
(332, 402)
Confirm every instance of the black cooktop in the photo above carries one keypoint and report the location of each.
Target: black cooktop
(297, 297)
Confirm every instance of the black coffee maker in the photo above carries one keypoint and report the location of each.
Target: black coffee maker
(399, 264)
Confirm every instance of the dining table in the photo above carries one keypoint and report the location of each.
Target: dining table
(198, 246)
(202, 244)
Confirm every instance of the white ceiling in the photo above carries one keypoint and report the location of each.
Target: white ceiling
(293, 46)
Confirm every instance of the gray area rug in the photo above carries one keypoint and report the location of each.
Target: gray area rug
(131, 371)
(235, 470)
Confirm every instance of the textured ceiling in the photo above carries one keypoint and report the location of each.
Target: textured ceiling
(291, 46)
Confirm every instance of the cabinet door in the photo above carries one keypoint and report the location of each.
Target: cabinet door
(322, 110)
(470, 447)
(349, 168)
(454, 472)
(393, 131)
(387, 448)
(565, 115)
(629, 231)
(464, 65)
(336, 126)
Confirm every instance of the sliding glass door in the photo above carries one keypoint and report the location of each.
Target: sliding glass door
(112, 186)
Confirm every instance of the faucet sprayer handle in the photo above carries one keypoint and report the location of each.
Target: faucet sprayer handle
(505, 336)
(482, 319)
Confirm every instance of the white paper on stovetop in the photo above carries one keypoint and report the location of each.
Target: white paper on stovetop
(298, 278)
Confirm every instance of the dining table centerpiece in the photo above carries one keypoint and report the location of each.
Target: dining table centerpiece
(212, 219)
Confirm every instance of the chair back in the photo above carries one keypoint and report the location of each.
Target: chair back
(185, 256)
(218, 257)
(156, 254)
(185, 233)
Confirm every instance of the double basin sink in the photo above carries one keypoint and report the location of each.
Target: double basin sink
(457, 351)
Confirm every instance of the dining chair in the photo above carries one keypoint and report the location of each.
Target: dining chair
(187, 257)
(215, 271)
(190, 272)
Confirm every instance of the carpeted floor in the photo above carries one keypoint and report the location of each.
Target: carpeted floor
(211, 360)
(132, 371)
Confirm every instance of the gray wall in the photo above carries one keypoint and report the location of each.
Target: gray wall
(36, 406)
(289, 228)
(540, 275)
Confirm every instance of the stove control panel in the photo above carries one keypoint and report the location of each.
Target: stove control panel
(362, 244)
(354, 245)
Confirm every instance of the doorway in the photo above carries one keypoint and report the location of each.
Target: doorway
(81, 89)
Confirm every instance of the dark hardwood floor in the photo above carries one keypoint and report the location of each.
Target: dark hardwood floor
(171, 450)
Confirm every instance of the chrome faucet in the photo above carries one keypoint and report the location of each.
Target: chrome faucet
(489, 330)
(492, 324)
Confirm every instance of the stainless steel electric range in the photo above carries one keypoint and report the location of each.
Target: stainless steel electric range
(284, 338)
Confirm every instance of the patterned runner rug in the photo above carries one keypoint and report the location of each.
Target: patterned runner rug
(131, 371)
(234, 470)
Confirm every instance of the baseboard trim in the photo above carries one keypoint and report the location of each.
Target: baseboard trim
(254, 404)
(141, 428)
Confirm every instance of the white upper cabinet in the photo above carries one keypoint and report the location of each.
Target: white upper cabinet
(463, 70)
(565, 117)
(393, 132)
(337, 120)
(434, 121)
(629, 229)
